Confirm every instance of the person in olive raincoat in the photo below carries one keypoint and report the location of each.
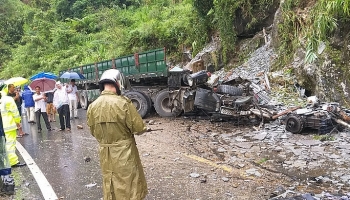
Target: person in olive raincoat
(113, 120)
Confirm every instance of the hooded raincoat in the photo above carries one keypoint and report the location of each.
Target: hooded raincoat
(10, 118)
(27, 96)
(113, 121)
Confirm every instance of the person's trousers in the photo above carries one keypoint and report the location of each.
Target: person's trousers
(46, 120)
(73, 104)
(30, 114)
(51, 111)
(11, 146)
(64, 116)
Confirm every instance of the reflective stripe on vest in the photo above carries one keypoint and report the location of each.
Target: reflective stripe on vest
(12, 151)
(10, 128)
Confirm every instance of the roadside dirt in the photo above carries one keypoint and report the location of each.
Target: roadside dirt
(189, 159)
(180, 163)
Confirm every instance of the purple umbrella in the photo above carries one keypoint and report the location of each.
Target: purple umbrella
(45, 84)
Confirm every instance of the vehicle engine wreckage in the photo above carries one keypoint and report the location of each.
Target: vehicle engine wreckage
(246, 102)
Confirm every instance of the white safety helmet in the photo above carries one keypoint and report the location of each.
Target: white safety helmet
(112, 76)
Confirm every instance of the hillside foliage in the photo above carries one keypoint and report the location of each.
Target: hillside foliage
(52, 35)
(302, 27)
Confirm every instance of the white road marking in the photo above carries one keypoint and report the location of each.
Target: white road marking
(40, 178)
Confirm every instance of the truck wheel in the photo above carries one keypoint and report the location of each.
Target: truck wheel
(148, 99)
(228, 89)
(83, 99)
(139, 101)
(294, 124)
(162, 107)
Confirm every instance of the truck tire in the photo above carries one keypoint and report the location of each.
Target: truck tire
(83, 99)
(228, 89)
(148, 99)
(161, 105)
(139, 101)
(294, 124)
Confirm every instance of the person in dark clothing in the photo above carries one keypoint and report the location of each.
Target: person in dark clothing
(40, 108)
(13, 92)
(50, 108)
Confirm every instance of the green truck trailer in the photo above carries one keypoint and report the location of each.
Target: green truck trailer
(145, 75)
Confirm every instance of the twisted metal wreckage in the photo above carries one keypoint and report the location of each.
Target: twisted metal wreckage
(246, 102)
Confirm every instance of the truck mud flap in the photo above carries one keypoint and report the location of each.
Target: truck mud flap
(83, 100)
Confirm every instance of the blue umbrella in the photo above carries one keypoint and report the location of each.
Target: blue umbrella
(48, 75)
(72, 75)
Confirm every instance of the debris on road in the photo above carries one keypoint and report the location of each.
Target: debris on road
(90, 185)
(194, 175)
(87, 159)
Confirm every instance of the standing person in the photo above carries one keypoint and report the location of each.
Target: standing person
(73, 99)
(113, 120)
(14, 92)
(29, 104)
(8, 184)
(11, 122)
(50, 108)
(40, 108)
(60, 101)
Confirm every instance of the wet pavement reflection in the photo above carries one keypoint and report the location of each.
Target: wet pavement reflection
(61, 156)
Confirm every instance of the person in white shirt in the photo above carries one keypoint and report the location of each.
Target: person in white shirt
(72, 91)
(60, 101)
(40, 108)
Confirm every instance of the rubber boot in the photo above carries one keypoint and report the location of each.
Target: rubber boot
(7, 185)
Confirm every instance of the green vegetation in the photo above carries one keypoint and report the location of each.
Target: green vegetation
(324, 137)
(309, 27)
(263, 160)
(288, 32)
(52, 35)
(225, 12)
(55, 35)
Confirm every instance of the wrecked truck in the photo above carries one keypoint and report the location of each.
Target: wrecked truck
(200, 93)
(150, 83)
(323, 117)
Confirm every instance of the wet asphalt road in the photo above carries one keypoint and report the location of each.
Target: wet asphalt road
(61, 157)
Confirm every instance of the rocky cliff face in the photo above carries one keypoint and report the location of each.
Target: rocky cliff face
(329, 76)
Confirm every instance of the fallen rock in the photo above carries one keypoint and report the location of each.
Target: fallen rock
(225, 179)
(253, 172)
(90, 185)
(194, 175)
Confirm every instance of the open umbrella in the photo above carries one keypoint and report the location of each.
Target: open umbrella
(16, 81)
(72, 75)
(45, 84)
(44, 75)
